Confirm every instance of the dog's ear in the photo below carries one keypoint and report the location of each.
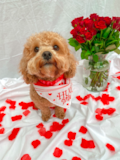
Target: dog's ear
(72, 66)
(23, 67)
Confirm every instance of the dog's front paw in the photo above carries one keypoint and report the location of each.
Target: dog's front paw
(45, 117)
(60, 113)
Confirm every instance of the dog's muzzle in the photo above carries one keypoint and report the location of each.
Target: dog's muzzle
(47, 55)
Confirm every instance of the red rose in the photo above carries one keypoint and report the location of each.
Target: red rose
(101, 19)
(83, 31)
(92, 31)
(76, 21)
(116, 26)
(74, 33)
(81, 23)
(94, 17)
(107, 20)
(88, 23)
(78, 28)
(80, 39)
(100, 24)
(88, 36)
(116, 19)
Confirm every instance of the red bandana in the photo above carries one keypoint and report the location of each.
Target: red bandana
(49, 83)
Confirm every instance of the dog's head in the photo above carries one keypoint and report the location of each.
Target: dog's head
(46, 56)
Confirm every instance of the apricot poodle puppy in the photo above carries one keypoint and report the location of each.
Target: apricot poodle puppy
(46, 57)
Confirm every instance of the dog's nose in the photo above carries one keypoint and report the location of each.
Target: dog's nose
(47, 55)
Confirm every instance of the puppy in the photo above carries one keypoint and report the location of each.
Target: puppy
(47, 60)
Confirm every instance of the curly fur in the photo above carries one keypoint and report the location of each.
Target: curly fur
(34, 67)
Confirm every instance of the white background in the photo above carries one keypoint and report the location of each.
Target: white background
(21, 18)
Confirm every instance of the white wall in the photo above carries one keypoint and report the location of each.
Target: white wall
(21, 18)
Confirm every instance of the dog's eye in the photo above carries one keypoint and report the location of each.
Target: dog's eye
(36, 49)
(55, 47)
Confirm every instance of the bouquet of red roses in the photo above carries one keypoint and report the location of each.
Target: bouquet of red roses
(95, 34)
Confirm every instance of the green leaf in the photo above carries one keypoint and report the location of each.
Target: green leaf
(83, 54)
(73, 42)
(78, 47)
(95, 58)
(93, 49)
(96, 48)
(107, 32)
(111, 42)
(98, 35)
(87, 53)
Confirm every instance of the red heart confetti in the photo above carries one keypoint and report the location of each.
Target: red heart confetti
(117, 72)
(118, 87)
(68, 142)
(42, 131)
(26, 112)
(53, 99)
(56, 127)
(104, 111)
(76, 158)
(111, 111)
(91, 144)
(110, 147)
(16, 118)
(25, 157)
(99, 117)
(108, 111)
(40, 125)
(25, 105)
(87, 144)
(11, 102)
(105, 99)
(0, 125)
(106, 90)
(86, 97)
(49, 94)
(1, 116)
(12, 107)
(2, 130)
(65, 121)
(84, 103)
(13, 134)
(71, 135)
(58, 152)
(35, 143)
(2, 109)
(83, 129)
(98, 111)
(84, 143)
(48, 135)
(79, 98)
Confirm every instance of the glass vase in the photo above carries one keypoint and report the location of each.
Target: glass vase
(95, 74)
